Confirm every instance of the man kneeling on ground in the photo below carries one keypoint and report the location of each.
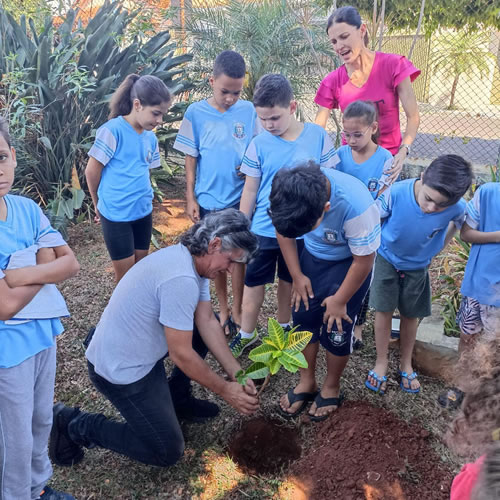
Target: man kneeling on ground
(149, 316)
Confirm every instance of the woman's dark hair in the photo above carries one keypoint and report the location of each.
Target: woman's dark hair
(367, 111)
(297, 200)
(449, 175)
(348, 15)
(149, 89)
(4, 131)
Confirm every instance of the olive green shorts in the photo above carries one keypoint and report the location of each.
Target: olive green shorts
(408, 291)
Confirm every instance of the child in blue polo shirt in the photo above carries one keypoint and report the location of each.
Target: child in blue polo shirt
(33, 256)
(420, 216)
(284, 143)
(363, 158)
(214, 135)
(479, 311)
(124, 151)
(341, 224)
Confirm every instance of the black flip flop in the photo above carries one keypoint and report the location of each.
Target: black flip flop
(321, 402)
(305, 397)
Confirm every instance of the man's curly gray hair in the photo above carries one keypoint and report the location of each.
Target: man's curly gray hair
(230, 225)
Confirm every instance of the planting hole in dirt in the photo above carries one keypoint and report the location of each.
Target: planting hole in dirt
(366, 452)
(264, 446)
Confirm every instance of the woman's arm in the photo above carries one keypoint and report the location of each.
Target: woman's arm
(322, 116)
(409, 103)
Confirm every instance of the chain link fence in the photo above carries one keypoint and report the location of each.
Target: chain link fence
(458, 90)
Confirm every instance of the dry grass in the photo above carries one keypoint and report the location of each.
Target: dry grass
(205, 472)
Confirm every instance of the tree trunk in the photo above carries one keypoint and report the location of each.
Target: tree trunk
(453, 90)
(419, 25)
(382, 16)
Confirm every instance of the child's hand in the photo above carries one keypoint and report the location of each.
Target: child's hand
(239, 173)
(45, 255)
(97, 216)
(193, 210)
(301, 291)
(335, 312)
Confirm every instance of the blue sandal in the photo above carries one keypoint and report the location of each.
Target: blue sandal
(409, 378)
(380, 380)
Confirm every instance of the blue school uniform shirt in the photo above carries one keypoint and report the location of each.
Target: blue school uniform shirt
(482, 272)
(125, 193)
(267, 153)
(25, 226)
(410, 237)
(370, 172)
(218, 141)
(352, 224)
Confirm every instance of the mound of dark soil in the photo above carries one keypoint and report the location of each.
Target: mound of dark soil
(264, 446)
(365, 452)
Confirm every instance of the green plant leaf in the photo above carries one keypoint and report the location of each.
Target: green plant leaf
(297, 341)
(276, 333)
(241, 377)
(262, 354)
(295, 359)
(274, 366)
(257, 370)
(289, 367)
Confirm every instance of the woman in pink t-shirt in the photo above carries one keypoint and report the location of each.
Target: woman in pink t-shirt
(365, 75)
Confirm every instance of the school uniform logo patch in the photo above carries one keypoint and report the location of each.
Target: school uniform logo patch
(239, 130)
(332, 236)
(436, 231)
(149, 156)
(373, 185)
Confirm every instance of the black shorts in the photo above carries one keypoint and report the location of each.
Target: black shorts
(326, 277)
(262, 268)
(205, 211)
(124, 238)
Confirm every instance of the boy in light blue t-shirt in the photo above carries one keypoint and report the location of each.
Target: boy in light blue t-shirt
(32, 257)
(420, 216)
(285, 143)
(341, 227)
(214, 135)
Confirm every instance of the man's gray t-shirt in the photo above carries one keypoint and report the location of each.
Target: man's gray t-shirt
(162, 289)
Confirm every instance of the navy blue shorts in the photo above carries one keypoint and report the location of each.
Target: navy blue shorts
(326, 277)
(124, 238)
(205, 211)
(262, 268)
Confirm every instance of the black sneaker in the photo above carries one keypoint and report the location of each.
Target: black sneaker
(50, 494)
(62, 449)
(192, 409)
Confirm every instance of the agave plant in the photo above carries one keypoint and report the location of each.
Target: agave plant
(64, 77)
(278, 349)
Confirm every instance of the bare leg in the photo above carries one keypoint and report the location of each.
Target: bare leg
(358, 332)
(237, 282)
(220, 282)
(140, 254)
(307, 382)
(284, 299)
(121, 266)
(407, 343)
(383, 322)
(253, 298)
(331, 384)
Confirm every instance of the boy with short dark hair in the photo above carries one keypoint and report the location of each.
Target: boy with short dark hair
(214, 135)
(32, 254)
(285, 143)
(340, 221)
(420, 216)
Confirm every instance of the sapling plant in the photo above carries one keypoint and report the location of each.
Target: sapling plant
(279, 348)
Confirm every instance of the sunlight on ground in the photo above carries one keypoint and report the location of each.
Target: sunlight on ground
(294, 489)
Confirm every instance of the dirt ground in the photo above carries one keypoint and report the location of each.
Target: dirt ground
(356, 439)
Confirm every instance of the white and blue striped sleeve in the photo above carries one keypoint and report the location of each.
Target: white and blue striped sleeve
(104, 146)
(185, 140)
(329, 158)
(156, 162)
(47, 236)
(473, 210)
(384, 203)
(250, 164)
(363, 232)
(385, 178)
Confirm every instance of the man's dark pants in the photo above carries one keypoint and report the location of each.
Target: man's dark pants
(151, 433)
